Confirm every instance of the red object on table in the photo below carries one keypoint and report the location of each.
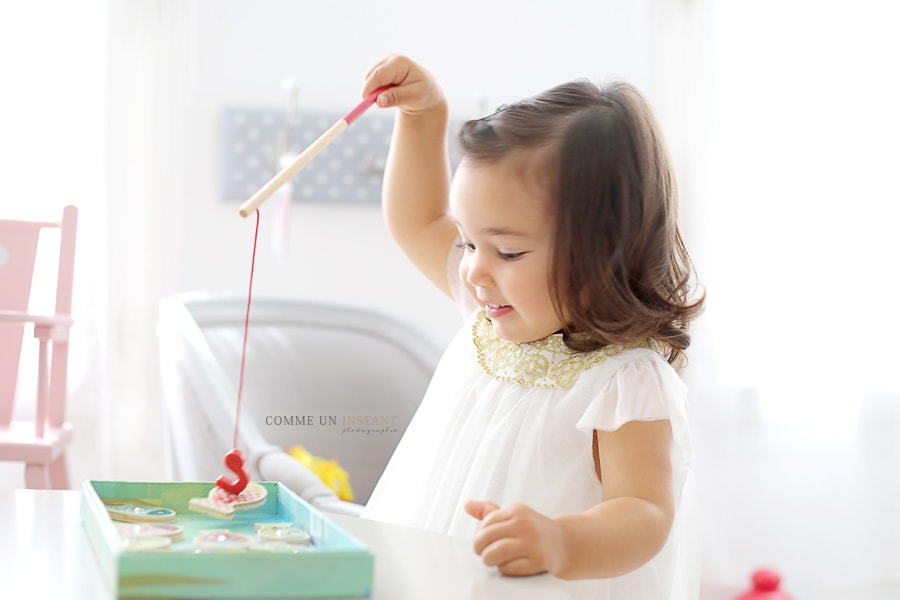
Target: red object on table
(765, 587)
(234, 460)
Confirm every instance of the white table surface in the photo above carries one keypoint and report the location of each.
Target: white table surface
(44, 553)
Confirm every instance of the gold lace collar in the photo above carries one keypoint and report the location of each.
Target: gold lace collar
(545, 363)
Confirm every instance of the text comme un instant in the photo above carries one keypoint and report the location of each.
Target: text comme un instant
(332, 420)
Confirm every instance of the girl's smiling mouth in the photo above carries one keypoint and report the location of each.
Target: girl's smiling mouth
(494, 311)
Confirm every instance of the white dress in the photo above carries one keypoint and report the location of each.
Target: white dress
(510, 422)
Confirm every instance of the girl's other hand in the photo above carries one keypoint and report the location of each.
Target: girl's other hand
(415, 91)
(516, 539)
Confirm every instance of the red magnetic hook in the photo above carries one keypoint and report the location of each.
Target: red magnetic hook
(234, 460)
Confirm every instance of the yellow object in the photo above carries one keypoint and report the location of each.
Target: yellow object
(329, 471)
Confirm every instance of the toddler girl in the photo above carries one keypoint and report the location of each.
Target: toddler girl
(554, 433)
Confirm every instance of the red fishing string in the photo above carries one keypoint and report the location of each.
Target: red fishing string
(237, 416)
(234, 459)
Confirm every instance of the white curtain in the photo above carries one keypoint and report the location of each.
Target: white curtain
(787, 149)
(151, 54)
(96, 99)
(52, 153)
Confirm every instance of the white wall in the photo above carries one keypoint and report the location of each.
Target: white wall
(154, 224)
(483, 53)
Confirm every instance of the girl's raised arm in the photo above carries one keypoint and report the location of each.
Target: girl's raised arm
(416, 185)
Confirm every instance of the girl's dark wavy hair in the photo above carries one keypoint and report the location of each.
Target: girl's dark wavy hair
(620, 270)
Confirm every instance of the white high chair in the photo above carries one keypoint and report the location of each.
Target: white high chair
(314, 374)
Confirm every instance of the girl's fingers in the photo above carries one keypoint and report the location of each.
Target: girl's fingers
(512, 557)
(413, 90)
(519, 567)
(495, 529)
(480, 508)
(386, 99)
(392, 70)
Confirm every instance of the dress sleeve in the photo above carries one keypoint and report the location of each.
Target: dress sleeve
(644, 387)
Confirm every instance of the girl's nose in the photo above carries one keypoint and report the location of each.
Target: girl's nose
(476, 272)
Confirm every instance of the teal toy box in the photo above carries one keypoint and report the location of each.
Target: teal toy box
(333, 564)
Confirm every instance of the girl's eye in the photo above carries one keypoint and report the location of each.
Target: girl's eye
(507, 256)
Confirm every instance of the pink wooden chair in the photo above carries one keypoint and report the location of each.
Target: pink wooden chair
(39, 443)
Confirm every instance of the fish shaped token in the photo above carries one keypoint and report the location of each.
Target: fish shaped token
(221, 504)
(169, 530)
(222, 540)
(282, 532)
(137, 513)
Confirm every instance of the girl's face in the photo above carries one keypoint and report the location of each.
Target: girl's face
(505, 220)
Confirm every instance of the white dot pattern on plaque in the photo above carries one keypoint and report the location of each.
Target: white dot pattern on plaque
(349, 170)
